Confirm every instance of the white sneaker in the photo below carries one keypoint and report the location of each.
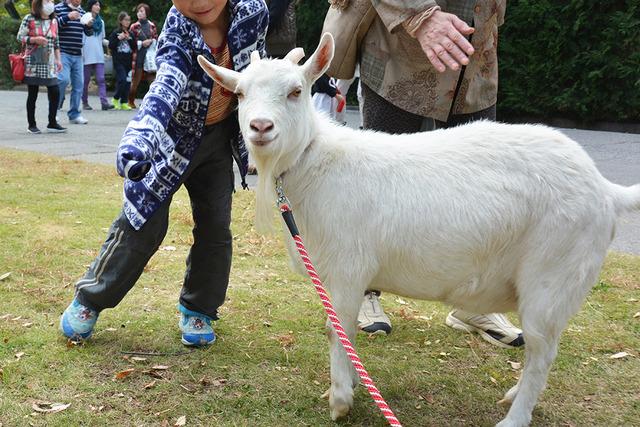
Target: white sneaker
(79, 121)
(371, 317)
(494, 328)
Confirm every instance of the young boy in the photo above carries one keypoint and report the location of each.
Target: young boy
(185, 132)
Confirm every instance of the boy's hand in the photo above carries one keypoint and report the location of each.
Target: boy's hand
(133, 164)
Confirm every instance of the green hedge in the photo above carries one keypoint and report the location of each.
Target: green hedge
(578, 59)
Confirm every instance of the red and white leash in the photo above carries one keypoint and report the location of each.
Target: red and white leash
(283, 205)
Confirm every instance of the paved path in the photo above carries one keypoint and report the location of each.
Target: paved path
(617, 155)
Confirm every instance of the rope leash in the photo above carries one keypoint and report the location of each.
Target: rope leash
(283, 205)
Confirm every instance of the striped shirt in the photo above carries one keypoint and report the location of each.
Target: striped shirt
(70, 31)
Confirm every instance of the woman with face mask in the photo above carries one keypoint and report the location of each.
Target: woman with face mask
(39, 34)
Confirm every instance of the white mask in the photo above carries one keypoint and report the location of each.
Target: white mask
(48, 8)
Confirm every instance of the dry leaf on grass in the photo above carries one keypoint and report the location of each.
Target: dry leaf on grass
(182, 421)
(620, 355)
(150, 385)
(123, 374)
(514, 365)
(49, 408)
(160, 367)
(19, 355)
(4, 276)
(637, 315)
(139, 359)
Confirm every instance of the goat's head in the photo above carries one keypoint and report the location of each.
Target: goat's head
(274, 97)
(274, 111)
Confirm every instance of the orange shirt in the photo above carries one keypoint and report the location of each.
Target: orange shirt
(222, 102)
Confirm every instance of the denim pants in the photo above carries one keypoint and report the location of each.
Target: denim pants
(98, 70)
(122, 85)
(72, 72)
(123, 256)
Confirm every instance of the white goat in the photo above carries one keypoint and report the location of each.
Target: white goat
(486, 217)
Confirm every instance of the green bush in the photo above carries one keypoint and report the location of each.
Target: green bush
(578, 60)
(8, 44)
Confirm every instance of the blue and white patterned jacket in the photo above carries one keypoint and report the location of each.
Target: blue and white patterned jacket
(168, 127)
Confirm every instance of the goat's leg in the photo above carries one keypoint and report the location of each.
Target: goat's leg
(548, 297)
(344, 377)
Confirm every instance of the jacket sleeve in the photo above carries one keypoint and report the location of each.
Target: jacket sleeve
(62, 15)
(395, 12)
(113, 41)
(147, 130)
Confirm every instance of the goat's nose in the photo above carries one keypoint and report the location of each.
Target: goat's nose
(261, 125)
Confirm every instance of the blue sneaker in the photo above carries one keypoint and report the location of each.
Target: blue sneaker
(195, 327)
(77, 321)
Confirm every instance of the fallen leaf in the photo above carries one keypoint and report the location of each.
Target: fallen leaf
(4, 276)
(514, 365)
(123, 374)
(182, 421)
(160, 367)
(27, 325)
(620, 355)
(19, 355)
(50, 408)
(139, 359)
(150, 385)
(493, 380)
(632, 300)
(6, 316)
(635, 316)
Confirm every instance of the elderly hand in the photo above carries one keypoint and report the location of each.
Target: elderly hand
(442, 38)
(39, 40)
(74, 15)
(147, 43)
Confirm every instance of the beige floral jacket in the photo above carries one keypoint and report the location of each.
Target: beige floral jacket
(395, 67)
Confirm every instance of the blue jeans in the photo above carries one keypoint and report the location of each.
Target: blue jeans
(72, 72)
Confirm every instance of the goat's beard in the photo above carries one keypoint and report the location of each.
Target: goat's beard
(265, 193)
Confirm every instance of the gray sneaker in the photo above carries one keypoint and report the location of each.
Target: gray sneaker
(371, 317)
(494, 328)
(79, 121)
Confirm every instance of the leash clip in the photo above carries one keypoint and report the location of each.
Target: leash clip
(282, 201)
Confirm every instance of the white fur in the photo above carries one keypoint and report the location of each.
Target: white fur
(487, 217)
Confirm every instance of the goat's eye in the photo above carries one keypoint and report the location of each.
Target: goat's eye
(294, 93)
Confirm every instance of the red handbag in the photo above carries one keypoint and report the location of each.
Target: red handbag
(17, 65)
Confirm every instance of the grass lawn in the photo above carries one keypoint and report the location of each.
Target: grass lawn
(269, 366)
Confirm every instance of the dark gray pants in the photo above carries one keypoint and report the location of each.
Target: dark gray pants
(381, 115)
(125, 253)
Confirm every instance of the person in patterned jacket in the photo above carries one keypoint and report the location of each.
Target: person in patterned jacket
(185, 132)
(39, 33)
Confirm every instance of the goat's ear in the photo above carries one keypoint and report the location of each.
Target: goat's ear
(226, 78)
(295, 55)
(321, 58)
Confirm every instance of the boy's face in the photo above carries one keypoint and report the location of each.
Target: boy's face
(203, 12)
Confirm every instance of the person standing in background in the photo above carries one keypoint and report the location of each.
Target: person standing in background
(39, 32)
(93, 57)
(442, 73)
(71, 32)
(122, 45)
(144, 33)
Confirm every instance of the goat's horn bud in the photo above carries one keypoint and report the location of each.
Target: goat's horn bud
(255, 56)
(295, 55)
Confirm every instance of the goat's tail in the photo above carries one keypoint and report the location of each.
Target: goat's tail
(626, 199)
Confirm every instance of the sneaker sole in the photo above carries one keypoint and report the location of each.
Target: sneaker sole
(56, 130)
(377, 328)
(459, 325)
(199, 344)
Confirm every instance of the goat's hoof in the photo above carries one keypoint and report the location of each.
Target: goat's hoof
(505, 402)
(339, 411)
(340, 406)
